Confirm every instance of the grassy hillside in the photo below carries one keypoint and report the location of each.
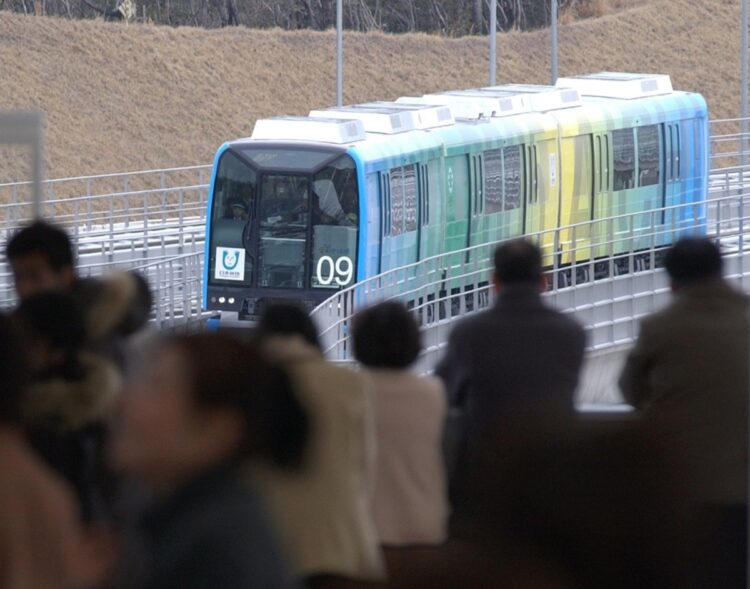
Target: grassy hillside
(134, 97)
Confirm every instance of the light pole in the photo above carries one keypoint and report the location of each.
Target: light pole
(744, 82)
(553, 32)
(27, 128)
(339, 52)
(493, 42)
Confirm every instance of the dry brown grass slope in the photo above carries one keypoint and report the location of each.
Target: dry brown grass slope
(134, 97)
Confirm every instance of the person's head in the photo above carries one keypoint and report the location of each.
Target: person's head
(692, 260)
(288, 320)
(518, 262)
(205, 401)
(386, 336)
(41, 258)
(13, 371)
(56, 330)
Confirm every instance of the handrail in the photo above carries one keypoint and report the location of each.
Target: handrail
(460, 279)
(109, 175)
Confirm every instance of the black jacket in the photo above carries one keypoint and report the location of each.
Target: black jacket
(211, 534)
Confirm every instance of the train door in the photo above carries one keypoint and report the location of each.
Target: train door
(672, 181)
(430, 211)
(478, 226)
(546, 157)
(602, 206)
(458, 189)
(576, 197)
(650, 186)
(532, 210)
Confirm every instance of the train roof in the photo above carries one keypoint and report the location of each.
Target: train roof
(439, 121)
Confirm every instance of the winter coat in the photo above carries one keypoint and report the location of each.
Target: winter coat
(323, 511)
(688, 374)
(410, 503)
(116, 313)
(212, 533)
(67, 422)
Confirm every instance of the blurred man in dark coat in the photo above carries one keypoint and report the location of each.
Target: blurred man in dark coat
(688, 371)
(518, 357)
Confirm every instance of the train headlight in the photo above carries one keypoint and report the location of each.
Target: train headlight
(222, 300)
(231, 300)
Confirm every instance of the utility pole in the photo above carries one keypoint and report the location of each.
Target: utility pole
(339, 52)
(493, 42)
(553, 32)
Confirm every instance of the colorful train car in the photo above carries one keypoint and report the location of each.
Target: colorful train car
(308, 205)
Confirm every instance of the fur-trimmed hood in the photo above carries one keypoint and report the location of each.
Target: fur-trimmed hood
(69, 405)
(110, 304)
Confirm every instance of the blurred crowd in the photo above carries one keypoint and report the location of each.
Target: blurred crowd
(131, 459)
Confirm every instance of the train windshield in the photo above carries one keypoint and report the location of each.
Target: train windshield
(284, 219)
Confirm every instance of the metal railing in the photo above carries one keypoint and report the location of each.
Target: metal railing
(176, 286)
(608, 291)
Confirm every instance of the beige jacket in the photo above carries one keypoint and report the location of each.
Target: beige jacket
(323, 512)
(410, 505)
(38, 531)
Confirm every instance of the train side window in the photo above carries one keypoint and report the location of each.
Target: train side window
(397, 201)
(493, 181)
(648, 155)
(677, 151)
(512, 177)
(410, 197)
(623, 148)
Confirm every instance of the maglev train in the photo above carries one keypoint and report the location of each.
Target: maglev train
(309, 205)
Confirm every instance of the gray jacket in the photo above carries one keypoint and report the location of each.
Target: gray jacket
(518, 355)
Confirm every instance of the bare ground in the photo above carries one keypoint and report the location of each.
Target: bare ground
(134, 97)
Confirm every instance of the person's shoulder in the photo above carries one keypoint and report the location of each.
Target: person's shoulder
(474, 324)
(405, 382)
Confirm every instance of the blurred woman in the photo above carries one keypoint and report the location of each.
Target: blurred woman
(323, 512)
(410, 505)
(205, 404)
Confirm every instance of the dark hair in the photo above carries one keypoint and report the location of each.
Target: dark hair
(14, 371)
(518, 261)
(226, 373)
(57, 318)
(42, 238)
(288, 319)
(386, 336)
(693, 259)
